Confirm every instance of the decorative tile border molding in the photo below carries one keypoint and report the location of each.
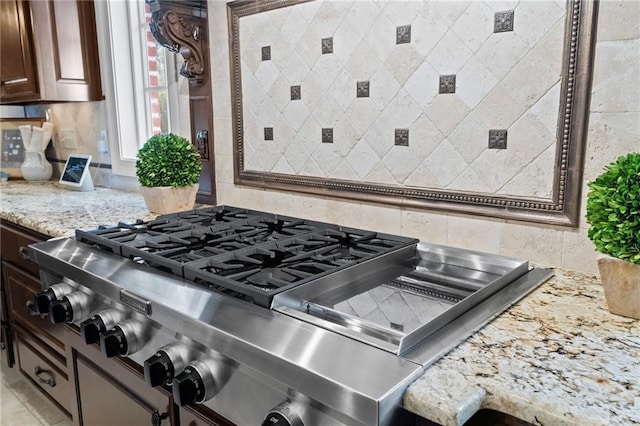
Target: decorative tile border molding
(561, 208)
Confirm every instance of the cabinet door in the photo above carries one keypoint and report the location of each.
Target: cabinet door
(67, 50)
(46, 369)
(201, 416)
(104, 400)
(17, 65)
(14, 241)
(21, 289)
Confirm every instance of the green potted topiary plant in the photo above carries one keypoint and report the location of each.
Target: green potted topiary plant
(168, 168)
(613, 213)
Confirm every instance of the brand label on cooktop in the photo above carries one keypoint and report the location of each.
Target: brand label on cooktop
(135, 302)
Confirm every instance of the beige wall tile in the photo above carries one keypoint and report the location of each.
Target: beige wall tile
(381, 218)
(616, 80)
(618, 20)
(578, 252)
(426, 226)
(474, 234)
(539, 244)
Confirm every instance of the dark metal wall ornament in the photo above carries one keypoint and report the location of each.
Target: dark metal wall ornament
(447, 84)
(182, 33)
(562, 208)
(497, 139)
(503, 21)
(402, 137)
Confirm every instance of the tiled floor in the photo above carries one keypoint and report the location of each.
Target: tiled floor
(21, 404)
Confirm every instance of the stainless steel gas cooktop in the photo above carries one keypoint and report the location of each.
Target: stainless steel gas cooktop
(324, 324)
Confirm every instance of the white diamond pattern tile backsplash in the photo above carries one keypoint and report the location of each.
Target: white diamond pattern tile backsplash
(502, 80)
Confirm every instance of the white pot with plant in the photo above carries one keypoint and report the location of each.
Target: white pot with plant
(168, 168)
(613, 213)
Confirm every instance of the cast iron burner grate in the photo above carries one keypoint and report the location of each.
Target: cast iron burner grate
(270, 228)
(170, 252)
(243, 252)
(112, 238)
(262, 271)
(346, 245)
(212, 215)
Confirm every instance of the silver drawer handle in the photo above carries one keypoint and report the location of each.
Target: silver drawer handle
(51, 381)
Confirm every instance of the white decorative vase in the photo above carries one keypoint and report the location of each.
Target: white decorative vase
(35, 167)
(621, 282)
(167, 199)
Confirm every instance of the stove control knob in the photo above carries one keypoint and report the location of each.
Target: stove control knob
(51, 294)
(160, 368)
(123, 339)
(72, 307)
(91, 329)
(196, 383)
(284, 414)
(113, 342)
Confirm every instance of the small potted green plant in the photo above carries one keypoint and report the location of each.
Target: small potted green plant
(613, 213)
(168, 168)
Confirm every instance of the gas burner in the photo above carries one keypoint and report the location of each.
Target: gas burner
(211, 215)
(170, 252)
(274, 228)
(347, 245)
(262, 271)
(111, 238)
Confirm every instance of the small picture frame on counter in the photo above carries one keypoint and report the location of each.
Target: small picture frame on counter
(12, 154)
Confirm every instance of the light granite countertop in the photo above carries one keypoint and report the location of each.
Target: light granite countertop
(54, 210)
(558, 357)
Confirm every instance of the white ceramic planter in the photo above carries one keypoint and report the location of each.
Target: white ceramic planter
(621, 282)
(166, 199)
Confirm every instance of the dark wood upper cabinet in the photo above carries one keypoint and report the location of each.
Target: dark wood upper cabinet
(49, 52)
(17, 65)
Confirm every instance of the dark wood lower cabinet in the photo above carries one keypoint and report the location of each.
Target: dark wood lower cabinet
(201, 416)
(44, 367)
(112, 391)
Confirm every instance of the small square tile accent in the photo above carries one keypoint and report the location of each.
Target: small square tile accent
(448, 83)
(498, 139)
(402, 137)
(266, 53)
(327, 45)
(268, 133)
(403, 34)
(327, 135)
(295, 93)
(503, 21)
(362, 89)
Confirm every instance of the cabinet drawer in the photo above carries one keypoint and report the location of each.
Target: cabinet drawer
(43, 370)
(21, 289)
(13, 242)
